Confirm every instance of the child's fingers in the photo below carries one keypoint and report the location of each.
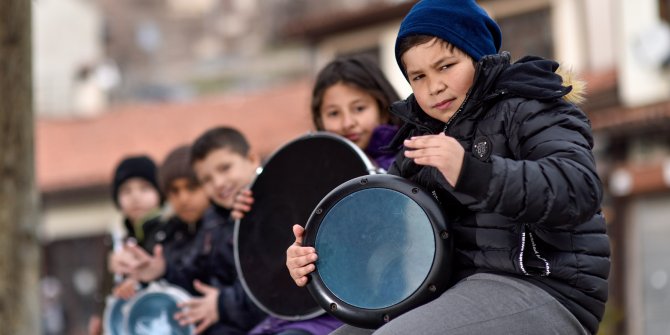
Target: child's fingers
(295, 250)
(417, 142)
(427, 152)
(302, 281)
(202, 326)
(300, 261)
(137, 253)
(298, 232)
(304, 271)
(188, 305)
(204, 288)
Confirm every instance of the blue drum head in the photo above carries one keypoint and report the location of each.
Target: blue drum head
(382, 245)
(153, 313)
(113, 317)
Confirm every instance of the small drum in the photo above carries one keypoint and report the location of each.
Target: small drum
(112, 318)
(291, 184)
(383, 247)
(151, 311)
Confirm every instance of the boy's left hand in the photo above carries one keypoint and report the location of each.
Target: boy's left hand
(242, 205)
(202, 311)
(439, 151)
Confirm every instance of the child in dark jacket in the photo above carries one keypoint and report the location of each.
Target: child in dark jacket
(509, 157)
(187, 202)
(136, 194)
(223, 164)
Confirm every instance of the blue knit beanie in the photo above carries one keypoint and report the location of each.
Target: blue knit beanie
(462, 23)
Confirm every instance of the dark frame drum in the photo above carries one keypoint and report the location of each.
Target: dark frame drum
(383, 246)
(292, 182)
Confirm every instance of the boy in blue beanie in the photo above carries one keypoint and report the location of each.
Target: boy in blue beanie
(508, 154)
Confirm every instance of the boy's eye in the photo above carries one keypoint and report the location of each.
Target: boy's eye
(332, 113)
(444, 67)
(417, 77)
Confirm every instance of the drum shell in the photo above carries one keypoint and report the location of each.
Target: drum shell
(435, 283)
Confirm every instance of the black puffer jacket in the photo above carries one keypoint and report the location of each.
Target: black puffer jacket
(527, 202)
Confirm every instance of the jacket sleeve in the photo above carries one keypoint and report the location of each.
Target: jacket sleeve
(551, 180)
(236, 308)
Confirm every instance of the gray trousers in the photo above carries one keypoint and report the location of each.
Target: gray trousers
(483, 304)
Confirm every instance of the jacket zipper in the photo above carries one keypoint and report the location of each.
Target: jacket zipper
(458, 111)
(536, 253)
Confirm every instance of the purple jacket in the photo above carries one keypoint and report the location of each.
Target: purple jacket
(381, 137)
(320, 325)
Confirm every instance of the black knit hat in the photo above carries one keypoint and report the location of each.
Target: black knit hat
(134, 166)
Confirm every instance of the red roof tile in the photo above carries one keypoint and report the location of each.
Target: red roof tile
(79, 153)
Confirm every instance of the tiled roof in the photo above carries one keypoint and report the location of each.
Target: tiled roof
(626, 120)
(79, 153)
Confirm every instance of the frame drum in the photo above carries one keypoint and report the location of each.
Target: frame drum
(151, 311)
(383, 247)
(291, 184)
(112, 318)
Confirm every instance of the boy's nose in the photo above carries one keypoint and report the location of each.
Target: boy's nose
(436, 86)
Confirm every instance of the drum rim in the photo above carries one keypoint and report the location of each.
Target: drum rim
(111, 301)
(372, 318)
(177, 292)
(371, 169)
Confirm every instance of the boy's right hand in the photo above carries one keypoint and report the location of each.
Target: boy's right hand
(300, 260)
(242, 204)
(146, 267)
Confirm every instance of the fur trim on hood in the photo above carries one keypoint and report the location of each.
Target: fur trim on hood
(578, 92)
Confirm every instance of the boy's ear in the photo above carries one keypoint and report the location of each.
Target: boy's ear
(254, 158)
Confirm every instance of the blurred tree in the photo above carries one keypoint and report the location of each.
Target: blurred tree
(19, 253)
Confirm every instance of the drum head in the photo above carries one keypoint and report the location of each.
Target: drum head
(291, 184)
(382, 244)
(113, 317)
(152, 312)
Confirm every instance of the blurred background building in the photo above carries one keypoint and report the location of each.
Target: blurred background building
(119, 77)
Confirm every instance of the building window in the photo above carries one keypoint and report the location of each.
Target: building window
(528, 34)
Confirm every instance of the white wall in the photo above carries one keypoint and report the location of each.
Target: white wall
(600, 46)
(639, 83)
(67, 35)
(80, 218)
(648, 267)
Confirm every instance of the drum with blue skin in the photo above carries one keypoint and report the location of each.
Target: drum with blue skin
(113, 317)
(383, 246)
(152, 310)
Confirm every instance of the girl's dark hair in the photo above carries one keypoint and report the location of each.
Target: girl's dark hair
(358, 71)
(219, 138)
